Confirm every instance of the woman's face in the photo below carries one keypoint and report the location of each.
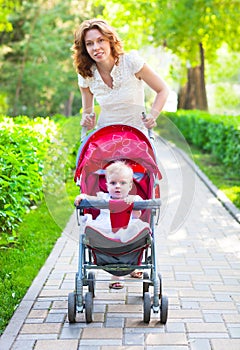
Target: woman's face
(97, 45)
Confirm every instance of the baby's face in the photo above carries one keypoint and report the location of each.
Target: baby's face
(119, 185)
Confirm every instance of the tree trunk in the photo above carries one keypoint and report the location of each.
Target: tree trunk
(68, 105)
(193, 94)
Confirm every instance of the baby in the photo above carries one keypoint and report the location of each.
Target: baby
(119, 180)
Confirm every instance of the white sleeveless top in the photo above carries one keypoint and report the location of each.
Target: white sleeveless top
(124, 103)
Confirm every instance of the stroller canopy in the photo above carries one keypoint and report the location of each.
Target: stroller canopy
(111, 143)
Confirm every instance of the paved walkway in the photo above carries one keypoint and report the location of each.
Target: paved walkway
(198, 255)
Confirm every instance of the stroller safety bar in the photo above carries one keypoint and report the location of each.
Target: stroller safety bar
(104, 204)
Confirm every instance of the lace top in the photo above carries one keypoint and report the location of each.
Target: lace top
(124, 102)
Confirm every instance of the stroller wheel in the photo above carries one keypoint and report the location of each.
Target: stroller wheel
(91, 283)
(146, 307)
(145, 284)
(71, 307)
(88, 307)
(164, 310)
(160, 285)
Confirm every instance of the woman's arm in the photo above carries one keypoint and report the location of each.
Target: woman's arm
(88, 108)
(156, 83)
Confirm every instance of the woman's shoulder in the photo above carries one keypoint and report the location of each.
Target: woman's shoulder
(85, 82)
(134, 60)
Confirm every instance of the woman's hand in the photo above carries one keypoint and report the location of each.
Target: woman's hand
(88, 121)
(149, 121)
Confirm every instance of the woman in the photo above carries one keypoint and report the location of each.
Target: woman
(114, 78)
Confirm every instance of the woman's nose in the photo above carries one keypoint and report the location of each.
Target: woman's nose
(95, 45)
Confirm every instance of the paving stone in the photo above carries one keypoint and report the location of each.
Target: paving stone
(86, 347)
(115, 322)
(56, 318)
(34, 320)
(99, 342)
(37, 336)
(38, 314)
(137, 347)
(132, 339)
(43, 305)
(56, 344)
(223, 344)
(167, 347)
(206, 335)
(231, 318)
(200, 344)
(213, 318)
(234, 331)
(206, 327)
(136, 323)
(217, 305)
(90, 333)
(70, 332)
(125, 308)
(166, 339)
(44, 328)
(23, 345)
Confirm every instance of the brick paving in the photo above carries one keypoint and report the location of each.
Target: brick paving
(197, 241)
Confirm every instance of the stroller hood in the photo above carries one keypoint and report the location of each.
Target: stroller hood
(111, 143)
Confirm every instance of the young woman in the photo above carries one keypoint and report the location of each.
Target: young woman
(114, 79)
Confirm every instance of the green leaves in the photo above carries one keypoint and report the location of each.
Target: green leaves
(219, 135)
(23, 147)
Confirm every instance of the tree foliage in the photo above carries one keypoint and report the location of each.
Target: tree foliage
(192, 29)
(37, 71)
(179, 25)
(7, 8)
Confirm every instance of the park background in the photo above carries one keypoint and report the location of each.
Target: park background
(194, 46)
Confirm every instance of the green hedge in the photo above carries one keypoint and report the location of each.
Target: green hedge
(23, 146)
(219, 135)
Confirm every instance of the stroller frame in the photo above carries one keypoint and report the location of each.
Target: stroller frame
(85, 277)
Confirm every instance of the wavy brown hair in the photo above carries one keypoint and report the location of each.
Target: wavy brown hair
(82, 61)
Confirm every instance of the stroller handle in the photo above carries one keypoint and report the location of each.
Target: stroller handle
(104, 204)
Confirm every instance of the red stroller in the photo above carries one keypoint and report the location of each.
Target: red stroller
(102, 147)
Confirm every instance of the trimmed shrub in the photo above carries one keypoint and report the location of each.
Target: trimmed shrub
(23, 146)
(219, 135)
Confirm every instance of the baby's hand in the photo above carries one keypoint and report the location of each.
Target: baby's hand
(79, 198)
(135, 213)
(129, 199)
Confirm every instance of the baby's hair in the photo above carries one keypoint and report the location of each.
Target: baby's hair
(119, 167)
